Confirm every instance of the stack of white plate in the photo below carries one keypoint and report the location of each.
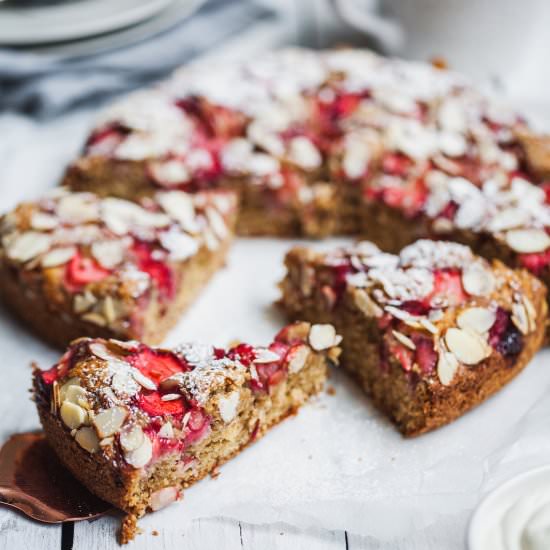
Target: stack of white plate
(85, 27)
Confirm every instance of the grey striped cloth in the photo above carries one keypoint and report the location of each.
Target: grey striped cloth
(42, 85)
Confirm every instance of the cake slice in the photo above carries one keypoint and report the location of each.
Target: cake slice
(429, 333)
(73, 264)
(136, 424)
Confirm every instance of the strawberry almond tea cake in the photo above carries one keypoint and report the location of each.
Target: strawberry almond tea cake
(305, 137)
(429, 333)
(136, 424)
(332, 142)
(74, 264)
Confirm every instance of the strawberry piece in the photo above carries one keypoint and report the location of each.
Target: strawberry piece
(82, 270)
(449, 211)
(244, 353)
(293, 181)
(447, 286)
(270, 374)
(153, 405)
(535, 262)
(280, 348)
(50, 376)
(195, 435)
(415, 307)
(159, 272)
(196, 420)
(156, 364)
(396, 164)
(545, 186)
(402, 354)
(425, 355)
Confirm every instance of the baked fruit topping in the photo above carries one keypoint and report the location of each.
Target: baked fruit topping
(94, 266)
(137, 424)
(429, 333)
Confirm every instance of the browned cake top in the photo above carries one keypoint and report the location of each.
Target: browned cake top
(101, 255)
(134, 403)
(438, 305)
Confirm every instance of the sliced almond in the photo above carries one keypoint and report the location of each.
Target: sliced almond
(109, 421)
(166, 430)
(131, 438)
(77, 395)
(74, 381)
(264, 355)
(366, 304)
(180, 207)
(297, 359)
(217, 223)
(73, 416)
(108, 309)
(26, 246)
(478, 280)
(478, 319)
(520, 318)
(528, 241)
(170, 396)
(95, 318)
(323, 337)
(57, 256)
(447, 365)
(78, 208)
(142, 455)
(180, 245)
(531, 312)
(143, 381)
(83, 302)
(466, 346)
(403, 339)
(163, 497)
(109, 253)
(87, 439)
(228, 405)
(43, 221)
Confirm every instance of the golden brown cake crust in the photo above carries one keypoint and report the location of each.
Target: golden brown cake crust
(136, 425)
(416, 402)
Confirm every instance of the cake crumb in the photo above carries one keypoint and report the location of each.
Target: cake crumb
(215, 473)
(331, 390)
(155, 533)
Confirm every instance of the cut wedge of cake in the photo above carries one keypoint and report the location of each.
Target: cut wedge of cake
(429, 333)
(136, 424)
(72, 264)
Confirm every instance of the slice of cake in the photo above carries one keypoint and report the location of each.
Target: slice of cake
(72, 264)
(428, 333)
(136, 424)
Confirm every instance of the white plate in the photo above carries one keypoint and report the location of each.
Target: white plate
(486, 527)
(172, 15)
(72, 20)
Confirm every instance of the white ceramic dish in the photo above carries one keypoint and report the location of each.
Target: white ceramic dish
(172, 15)
(509, 518)
(72, 20)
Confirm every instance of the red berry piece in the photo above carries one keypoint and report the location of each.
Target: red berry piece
(425, 356)
(535, 262)
(396, 164)
(504, 336)
(159, 272)
(153, 405)
(447, 287)
(156, 364)
(244, 353)
(82, 270)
